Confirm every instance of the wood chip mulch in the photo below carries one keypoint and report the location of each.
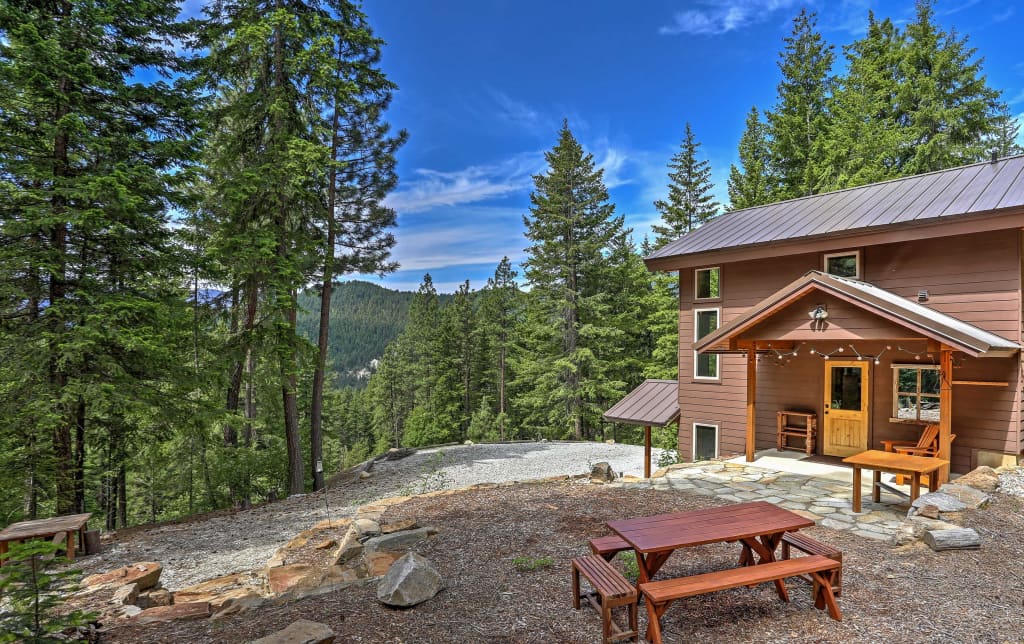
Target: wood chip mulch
(907, 594)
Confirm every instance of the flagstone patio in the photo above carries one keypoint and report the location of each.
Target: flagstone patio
(818, 491)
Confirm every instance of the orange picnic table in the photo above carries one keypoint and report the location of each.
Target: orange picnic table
(893, 463)
(47, 528)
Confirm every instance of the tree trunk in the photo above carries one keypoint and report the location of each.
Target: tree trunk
(122, 495)
(289, 385)
(80, 456)
(235, 382)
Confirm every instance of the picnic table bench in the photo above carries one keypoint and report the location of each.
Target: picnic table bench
(611, 590)
(46, 528)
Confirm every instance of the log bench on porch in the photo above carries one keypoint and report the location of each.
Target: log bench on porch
(611, 590)
(660, 594)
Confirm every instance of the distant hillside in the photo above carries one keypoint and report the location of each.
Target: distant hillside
(364, 318)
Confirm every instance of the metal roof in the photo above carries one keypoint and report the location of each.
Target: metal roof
(654, 402)
(981, 187)
(917, 317)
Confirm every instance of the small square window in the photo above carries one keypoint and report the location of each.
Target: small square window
(705, 442)
(843, 264)
(708, 284)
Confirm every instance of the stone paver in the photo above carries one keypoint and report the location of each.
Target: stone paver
(826, 501)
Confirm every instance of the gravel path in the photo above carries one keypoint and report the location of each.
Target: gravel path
(197, 550)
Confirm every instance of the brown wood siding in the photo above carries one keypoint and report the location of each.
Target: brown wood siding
(976, 278)
(845, 323)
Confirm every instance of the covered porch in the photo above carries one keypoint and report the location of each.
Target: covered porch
(869, 364)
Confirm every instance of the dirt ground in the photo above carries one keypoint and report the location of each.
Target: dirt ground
(908, 594)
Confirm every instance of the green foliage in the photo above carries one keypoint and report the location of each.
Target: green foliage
(33, 588)
(753, 183)
(483, 428)
(690, 202)
(529, 564)
(630, 568)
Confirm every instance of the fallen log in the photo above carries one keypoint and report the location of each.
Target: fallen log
(955, 539)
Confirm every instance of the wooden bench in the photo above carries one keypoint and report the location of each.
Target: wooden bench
(611, 590)
(660, 594)
(812, 546)
(609, 546)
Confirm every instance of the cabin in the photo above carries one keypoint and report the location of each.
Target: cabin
(873, 311)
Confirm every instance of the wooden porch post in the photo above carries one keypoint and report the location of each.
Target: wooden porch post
(751, 395)
(945, 410)
(647, 451)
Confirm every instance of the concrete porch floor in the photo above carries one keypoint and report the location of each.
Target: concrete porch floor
(819, 491)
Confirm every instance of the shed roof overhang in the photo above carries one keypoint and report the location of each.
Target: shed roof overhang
(654, 403)
(925, 321)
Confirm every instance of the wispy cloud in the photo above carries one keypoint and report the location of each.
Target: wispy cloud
(716, 18)
(522, 116)
(467, 236)
(433, 188)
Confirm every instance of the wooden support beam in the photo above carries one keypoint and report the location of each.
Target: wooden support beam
(945, 410)
(751, 397)
(647, 451)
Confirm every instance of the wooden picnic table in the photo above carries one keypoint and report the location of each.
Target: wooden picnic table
(758, 525)
(43, 528)
(893, 463)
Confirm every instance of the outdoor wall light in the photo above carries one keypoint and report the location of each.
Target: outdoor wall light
(819, 313)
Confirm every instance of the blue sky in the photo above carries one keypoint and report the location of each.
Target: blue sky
(485, 84)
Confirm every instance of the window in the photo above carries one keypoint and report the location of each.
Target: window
(915, 393)
(705, 365)
(707, 284)
(705, 442)
(843, 264)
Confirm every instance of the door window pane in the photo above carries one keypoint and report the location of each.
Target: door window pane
(705, 442)
(846, 388)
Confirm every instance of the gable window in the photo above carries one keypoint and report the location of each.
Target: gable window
(915, 393)
(705, 442)
(846, 264)
(705, 365)
(707, 284)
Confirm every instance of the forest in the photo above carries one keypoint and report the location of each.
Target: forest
(180, 201)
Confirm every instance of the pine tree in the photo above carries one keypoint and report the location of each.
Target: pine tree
(947, 111)
(690, 202)
(800, 116)
(753, 183)
(500, 310)
(89, 161)
(571, 227)
(361, 175)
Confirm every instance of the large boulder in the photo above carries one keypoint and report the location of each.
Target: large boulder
(982, 478)
(145, 573)
(602, 472)
(188, 611)
(410, 581)
(300, 632)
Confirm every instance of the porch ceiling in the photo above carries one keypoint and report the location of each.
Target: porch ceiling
(916, 318)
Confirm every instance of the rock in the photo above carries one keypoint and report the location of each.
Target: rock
(468, 442)
(982, 478)
(379, 563)
(602, 472)
(300, 632)
(396, 453)
(930, 511)
(218, 591)
(367, 528)
(349, 548)
(187, 611)
(238, 605)
(294, 579)
(404, 524)
(396, 540)
(971, 497)
(958, 539)
(411, 580)
(127, 594)
(610, 441)
(325, 544)
(155, 597)
(146, 574)
(942, 502)
(365, 475)
(331, 524)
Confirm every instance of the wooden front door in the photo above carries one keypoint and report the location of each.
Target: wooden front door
(847, 404)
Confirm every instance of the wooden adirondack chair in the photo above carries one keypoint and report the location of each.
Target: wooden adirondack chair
(926, 445)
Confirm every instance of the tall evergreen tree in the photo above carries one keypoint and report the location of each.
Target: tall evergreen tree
(753, 183)
(500, 305)
(690, 202)
(89, 161)
(800, 116)
(571, 227)
(361, 175)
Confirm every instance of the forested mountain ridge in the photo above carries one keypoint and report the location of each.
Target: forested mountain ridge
(365, 317)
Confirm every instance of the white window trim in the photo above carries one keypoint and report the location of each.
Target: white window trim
(718, 358)
(896, 392)
(696, 282)
(693, 439)
(858, 274)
